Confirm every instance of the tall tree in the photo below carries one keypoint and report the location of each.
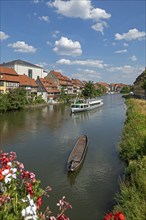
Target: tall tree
(89, 90)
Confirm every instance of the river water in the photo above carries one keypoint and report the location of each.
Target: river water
(43, 139)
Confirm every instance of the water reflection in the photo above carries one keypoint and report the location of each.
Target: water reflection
(79, 116)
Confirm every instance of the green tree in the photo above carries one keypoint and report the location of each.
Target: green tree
(89, 90)
(126, 89)
(64, 97)
(4, 102)
(101, 90)
(17, 99)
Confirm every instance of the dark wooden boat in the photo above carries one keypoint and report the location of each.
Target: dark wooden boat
(78, 153)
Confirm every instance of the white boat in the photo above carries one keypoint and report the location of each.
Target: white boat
(82, 105)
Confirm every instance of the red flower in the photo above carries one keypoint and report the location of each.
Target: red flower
(1, 176)
(119, 216)
(25, 174)
(29, 188)
(109, 216)
(62, 217)
(114, 216)
(39, 202)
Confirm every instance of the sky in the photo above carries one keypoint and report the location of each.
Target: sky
(100, 41)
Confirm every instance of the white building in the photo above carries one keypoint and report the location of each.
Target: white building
(23, 67)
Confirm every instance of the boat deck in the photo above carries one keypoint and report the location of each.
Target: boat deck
(78, 152)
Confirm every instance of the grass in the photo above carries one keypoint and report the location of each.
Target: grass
(131, 199)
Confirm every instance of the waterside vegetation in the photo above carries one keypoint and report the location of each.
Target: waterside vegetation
(132, 197)
(17, 99)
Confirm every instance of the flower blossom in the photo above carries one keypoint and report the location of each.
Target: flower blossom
(9, 174)
(30, 211)
(29, 188)
(39, 202)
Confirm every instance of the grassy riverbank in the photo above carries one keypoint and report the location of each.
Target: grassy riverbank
(132, 197)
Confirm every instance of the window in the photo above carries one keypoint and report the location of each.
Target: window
(30, 73)
(1, 83)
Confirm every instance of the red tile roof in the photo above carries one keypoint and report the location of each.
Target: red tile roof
(60, 76)
(26, 81)
(9, 78)
(9, 71)
(8, 74)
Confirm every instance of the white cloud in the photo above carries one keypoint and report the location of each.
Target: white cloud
(132, 34)
(83, 10)
(133, 58)
(89, 63)
(65, 46)
(49, 43)
(125, 73)
(125, 45)
(55, 34)
(123, 69)
(21, 46)
(99, 26)
(87, 75)
(44, 18)
(121, 51)
(3, 36)
(42, 64)
(36, 1)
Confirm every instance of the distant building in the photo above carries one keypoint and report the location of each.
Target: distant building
(9, 79)
(23, 67)
(137, 88)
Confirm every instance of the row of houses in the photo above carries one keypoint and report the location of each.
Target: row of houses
(36, 80)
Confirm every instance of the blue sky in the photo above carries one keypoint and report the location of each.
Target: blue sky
(101, 41)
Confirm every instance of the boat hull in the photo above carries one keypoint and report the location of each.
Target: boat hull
(78, 154)
(86, 106)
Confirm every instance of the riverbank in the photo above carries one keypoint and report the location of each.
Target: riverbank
(132, 197)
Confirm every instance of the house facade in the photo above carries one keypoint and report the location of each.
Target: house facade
(23, 67)
(50, 87)
(137, 88)
(62, 82)
(9, 79)
(77, 86)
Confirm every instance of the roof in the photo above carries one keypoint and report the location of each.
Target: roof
(141, 76)
(60, 76)
(20, 62)
(10, 78)
(8, 74)
(8, 71)
(46, 81)
(102, 84)
(26, 81)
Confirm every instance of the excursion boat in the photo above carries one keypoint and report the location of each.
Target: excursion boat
(78, 153)
(82, 105)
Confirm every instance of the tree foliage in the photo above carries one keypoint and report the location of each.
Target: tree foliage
(126, 89)
(89, 90)
(14, 100)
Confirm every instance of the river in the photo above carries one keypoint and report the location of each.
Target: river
(43, 139)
